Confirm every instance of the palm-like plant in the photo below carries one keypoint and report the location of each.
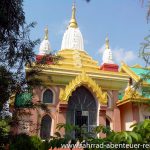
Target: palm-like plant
(143, 129)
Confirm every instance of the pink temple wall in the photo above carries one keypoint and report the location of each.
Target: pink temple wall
(126, 116)
(58, 113)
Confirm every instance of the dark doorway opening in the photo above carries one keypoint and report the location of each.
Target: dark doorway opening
(81, 121)
(82, 110)
(45, 127)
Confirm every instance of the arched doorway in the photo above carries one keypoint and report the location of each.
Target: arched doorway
(82, 109)
(45, 127)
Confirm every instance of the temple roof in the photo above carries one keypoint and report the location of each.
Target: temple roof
(140, 72)
(45, 47)
(74, 60)
(107, 55)
(78, 60)
(133, 94)
(72, 38)
(136, 72)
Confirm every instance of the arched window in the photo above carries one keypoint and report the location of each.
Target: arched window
(48, 96)
(45, 127)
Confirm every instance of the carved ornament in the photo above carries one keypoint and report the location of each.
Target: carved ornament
(85, 80)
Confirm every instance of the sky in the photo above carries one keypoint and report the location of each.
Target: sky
(123, 20)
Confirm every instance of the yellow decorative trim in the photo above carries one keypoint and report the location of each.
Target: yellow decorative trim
(137, 66)
(125, 68)
(46, 33)
(141, 100)
(83, 79)
(107, 43)
(131, 93)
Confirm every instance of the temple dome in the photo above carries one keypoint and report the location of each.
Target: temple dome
(45, 47)
(72, 38)
(107, 55)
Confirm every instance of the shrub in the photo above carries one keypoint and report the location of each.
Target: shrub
(25, 142)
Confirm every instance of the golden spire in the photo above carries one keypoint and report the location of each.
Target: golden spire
(46, 33)
(107, 42)
(73, 22)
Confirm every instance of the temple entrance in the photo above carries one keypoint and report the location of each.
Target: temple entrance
(82, 110)
(81, 121)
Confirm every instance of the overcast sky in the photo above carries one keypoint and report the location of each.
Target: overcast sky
(123, 20)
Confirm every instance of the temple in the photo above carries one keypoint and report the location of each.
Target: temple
(79, 91)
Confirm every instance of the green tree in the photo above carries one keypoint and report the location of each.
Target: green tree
(4, 131)
(25, 142)
(16, 51)
(16, 47)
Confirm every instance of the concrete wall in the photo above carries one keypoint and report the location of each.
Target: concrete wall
(126, 116)
(30, 119)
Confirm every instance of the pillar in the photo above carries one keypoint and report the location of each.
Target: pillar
(102, 119)
(62, 116)
(116, 113)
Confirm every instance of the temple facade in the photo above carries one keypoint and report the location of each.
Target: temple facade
(79, 91)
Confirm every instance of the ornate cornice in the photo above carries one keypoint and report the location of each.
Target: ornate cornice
(119, 103)
(131, 95)
(137, 66)
(60, 76)
(126, 68)
(83, 79)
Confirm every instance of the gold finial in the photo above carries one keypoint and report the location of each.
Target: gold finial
(73, 22)
(107, 42)
(46, 33)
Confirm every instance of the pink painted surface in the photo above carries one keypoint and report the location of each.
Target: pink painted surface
(62, 116)
(58, 113)
(109, 116)
(34, 116)
(116, 113)
(102, 121)
(135, 109)
(126, 115)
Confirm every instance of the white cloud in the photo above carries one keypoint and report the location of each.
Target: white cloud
(120, 54)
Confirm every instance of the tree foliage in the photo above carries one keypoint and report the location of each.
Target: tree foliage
(25, 142)
(16, 47)
(4, 131)
(16, 50)
(145, 50)
(139, 135)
